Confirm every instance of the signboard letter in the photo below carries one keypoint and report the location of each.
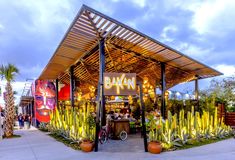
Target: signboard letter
(119, 83)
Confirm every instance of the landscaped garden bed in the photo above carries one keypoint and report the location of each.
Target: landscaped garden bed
(178, 131)
(187, 129)
(67, 142)
(71, 126)
(202, 142)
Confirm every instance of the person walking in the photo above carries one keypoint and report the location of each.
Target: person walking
(20, 120)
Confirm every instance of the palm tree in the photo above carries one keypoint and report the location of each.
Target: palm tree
(8, 73)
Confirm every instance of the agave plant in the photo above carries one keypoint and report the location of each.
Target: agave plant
(169, 139)
(183, 136)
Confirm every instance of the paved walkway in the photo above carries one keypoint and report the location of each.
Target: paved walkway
(36, 145)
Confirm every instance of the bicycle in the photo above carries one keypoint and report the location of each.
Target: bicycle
(106, 133)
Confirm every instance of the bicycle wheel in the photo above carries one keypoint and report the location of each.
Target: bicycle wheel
(102, 136)
(123, 135)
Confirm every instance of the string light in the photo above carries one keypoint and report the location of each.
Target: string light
(92, 91)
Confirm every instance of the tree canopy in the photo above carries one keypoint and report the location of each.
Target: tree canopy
(8, 72)
(223, 91)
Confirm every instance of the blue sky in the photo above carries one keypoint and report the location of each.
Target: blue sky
(30, 30)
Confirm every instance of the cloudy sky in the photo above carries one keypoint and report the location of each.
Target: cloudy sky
(30, 30)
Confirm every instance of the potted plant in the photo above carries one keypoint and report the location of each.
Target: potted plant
(154, 145)
(87, 143)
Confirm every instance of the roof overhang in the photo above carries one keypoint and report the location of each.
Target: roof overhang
(127, 50)
(25, 100)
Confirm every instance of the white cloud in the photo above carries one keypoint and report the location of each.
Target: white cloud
(104, 7)
(1, 27)
(34, 70)
(139, 3)
(208, 16)
(227, 70)
(45, 14)
(165, 35)
(213, 17)
(193, 50)
(132, 23)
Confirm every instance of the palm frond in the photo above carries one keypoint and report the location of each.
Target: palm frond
(8, 72)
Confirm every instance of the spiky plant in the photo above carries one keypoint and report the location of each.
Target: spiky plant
(8, 73)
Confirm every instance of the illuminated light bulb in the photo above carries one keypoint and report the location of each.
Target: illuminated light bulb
(92, 94)
(145, 90)
(146, 80)
(145, 98)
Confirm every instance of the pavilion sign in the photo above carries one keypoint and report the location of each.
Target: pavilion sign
(119, 84)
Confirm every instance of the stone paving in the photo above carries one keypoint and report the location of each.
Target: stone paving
(36, 145)
(134, 143)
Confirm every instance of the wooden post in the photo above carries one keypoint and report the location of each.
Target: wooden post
(143, 117)
(163, 84)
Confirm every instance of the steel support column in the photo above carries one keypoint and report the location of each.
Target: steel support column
(33, 113)
(31, 109)
(57, 95)
(27, 109)
(57, 92)
(102, 70)
(100, 108)
(143, 117)
(196, 93)
(163, 85)
(72, 86)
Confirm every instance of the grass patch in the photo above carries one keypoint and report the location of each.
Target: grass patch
(67, 142)
(201, 143)
(13, 136)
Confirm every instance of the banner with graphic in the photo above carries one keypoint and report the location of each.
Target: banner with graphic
(45, 99)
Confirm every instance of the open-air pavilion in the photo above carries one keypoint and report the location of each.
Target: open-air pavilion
(96, 43)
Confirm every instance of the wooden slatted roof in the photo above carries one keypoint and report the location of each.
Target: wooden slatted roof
(127, 50)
